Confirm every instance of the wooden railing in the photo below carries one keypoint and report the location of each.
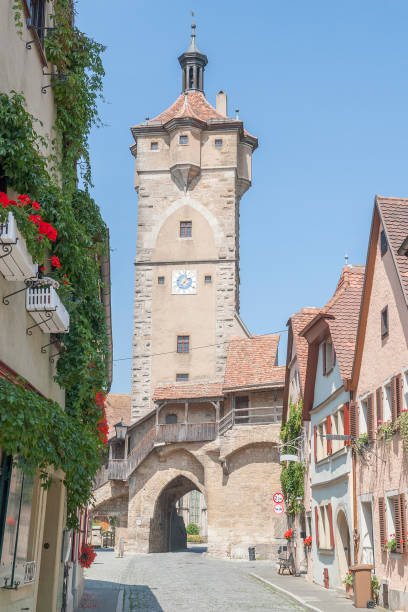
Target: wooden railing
(187, 432)
(121, 469)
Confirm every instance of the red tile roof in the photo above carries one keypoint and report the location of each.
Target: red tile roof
(117, 406)
(344, 310)
(193, 105)
(394, 216)
(252, 362)
(192, 390)
(298, 321)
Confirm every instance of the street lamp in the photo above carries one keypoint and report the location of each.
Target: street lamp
(121, 430)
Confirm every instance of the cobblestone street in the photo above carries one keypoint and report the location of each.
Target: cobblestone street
(170, 582)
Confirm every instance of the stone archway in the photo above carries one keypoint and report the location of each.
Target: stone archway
(343, 549)
(167, 530)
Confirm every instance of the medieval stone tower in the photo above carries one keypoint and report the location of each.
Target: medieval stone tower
(193, 164)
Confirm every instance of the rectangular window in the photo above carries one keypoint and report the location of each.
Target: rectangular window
(325, 523)
(207, 279)
(183, 344)
(363, 421)
(37, 17)
(383, 243)
(218, 142)
(387, 401)
(160, 280)
(396, 521)
(181, 377)
(186, 229)
(328, 356)
(16, 492)
(154, 146)
(384, 322)
(183, 139)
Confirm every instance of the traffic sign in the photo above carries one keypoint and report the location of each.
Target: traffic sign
(278, 498)
(279, 509)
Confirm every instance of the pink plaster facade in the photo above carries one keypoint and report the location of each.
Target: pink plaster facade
(383, 472)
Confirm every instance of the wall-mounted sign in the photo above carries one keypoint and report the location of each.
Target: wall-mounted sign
(289, 458)
(278, 498)
(279, 509)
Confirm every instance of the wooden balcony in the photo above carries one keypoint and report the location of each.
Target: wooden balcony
(187, 432)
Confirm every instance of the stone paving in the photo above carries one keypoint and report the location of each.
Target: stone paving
(180, 581)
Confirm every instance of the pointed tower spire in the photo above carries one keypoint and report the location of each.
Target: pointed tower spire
(192, 64)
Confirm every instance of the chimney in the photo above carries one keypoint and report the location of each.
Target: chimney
(221, 103)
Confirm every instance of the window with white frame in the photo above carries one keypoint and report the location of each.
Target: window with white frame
(337, 421)
(328, 356)
(387, 395)
(321, 441)
(363, 416)
(325, 526)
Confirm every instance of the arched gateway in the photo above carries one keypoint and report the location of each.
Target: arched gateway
(206, 398)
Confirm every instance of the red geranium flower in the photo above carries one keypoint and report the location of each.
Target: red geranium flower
(35, 205)
(4, 200)
(55, 262)
(42, 268)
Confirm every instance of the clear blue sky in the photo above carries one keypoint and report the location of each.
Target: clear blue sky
(322, 84)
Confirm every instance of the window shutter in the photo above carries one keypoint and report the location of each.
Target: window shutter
(328, 431)
(397, 524)
(317, 526)
(354, 419)
(324, 358)
(346, 412)
(381, 516)
(370, 418)
(398, 393)
(393, 399)
(330, 512)
(315, 443)
(379, 402)
(403, 514)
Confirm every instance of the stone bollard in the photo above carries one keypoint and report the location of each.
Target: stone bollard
(121, 546)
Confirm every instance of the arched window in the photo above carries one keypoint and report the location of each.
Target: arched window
(191, 78)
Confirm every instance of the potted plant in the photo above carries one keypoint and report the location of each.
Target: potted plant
(375, 588)
(391, 543)
(348, 581)
(288, 534)
(308, 542)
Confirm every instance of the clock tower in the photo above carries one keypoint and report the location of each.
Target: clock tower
(192, 166)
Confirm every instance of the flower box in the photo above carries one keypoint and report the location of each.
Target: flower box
(16, 263)
(47, 310)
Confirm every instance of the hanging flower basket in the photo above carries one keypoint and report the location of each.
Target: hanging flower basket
(16, 263)
(87, 556)
(288, 534)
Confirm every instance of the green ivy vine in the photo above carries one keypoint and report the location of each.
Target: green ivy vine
(46, 170)
(292, 475)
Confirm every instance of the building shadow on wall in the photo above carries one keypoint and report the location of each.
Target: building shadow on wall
(102, 595)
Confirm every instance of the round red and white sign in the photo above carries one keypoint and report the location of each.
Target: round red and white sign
(278, 498)
(279, 509)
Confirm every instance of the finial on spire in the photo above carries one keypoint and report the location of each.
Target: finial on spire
(192, 63)
(346, 258)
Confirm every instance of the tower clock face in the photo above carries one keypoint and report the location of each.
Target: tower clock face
(184, 282)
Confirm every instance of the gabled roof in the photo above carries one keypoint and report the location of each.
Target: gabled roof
(343, 310)
(339, 318)
(297, 322)
(184, 391)
(392, 213)
(117, 406)
(394, 216)
(252, 363)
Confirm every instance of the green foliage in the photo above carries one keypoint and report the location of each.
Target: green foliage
(292, 476)
(375, 587)
(192, 529)
(43, 435)
(401, 425)
(385, 431)
(361, 444)
(18, 15)
(46, 170)
(348, 579)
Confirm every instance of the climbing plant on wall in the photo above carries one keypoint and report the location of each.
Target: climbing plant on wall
(45, 170)
(292, 474)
